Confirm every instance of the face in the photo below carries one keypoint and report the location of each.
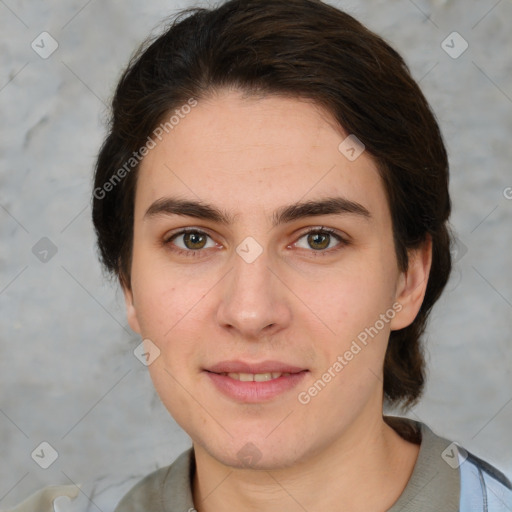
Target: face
(301, 299)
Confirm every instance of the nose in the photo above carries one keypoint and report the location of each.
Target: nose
(255, 301)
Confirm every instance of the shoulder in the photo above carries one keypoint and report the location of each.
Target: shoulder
(146, 494)
(483, 487)
(447, 476)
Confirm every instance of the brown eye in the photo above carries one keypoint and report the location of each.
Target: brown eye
(189, 242)
(194, 240)
(320, 240)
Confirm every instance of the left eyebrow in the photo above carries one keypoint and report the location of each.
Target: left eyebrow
(327, 206)
(284, 214)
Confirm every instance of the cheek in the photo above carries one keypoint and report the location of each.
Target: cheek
(170, 311)
(351, 299)
(351, 363)
(161, 298)
(167, 315)
(171, 386)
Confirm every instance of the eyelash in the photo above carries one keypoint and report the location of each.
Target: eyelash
(318, 253)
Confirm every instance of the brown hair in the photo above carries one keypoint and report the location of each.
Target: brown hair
(303, 49)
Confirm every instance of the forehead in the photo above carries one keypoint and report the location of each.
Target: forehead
(249, 154)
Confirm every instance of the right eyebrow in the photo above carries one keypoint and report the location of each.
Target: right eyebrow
(187, 208)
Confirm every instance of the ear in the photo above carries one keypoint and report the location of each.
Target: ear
(412, 285)
(131, 311)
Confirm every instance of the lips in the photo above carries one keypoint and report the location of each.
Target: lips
(254, 382)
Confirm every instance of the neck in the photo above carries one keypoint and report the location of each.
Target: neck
(352, 474)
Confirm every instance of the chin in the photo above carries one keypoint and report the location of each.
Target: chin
(253, 452)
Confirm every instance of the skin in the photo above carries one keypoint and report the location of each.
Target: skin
(249, 156)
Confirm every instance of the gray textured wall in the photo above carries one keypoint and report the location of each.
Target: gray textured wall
(67, 372)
